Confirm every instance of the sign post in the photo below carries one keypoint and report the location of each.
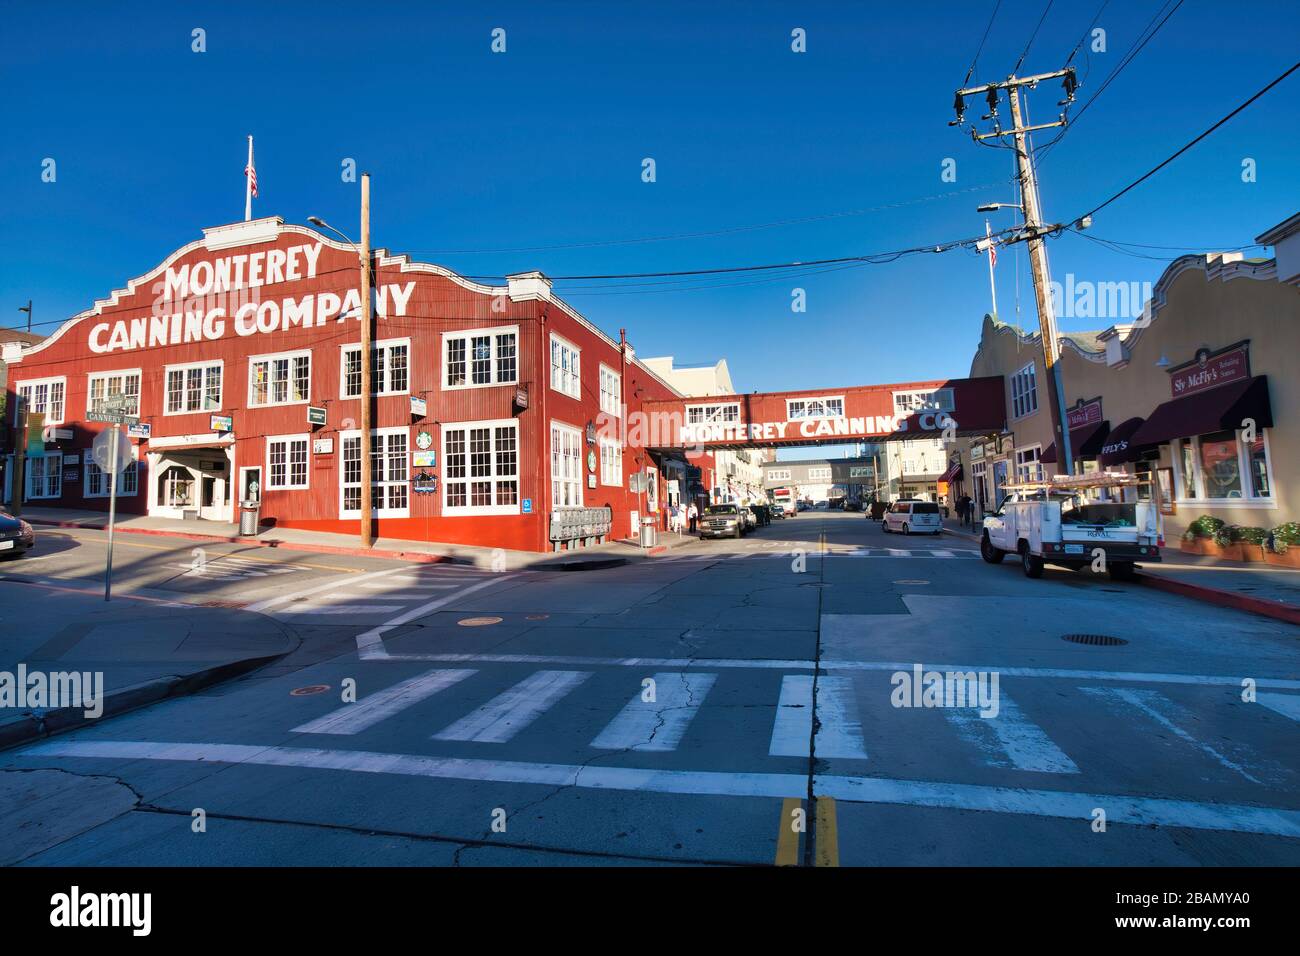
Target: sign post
(112, 453)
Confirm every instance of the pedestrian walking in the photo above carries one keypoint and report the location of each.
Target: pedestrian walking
(693, 515)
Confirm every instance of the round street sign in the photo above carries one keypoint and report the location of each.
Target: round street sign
(102, 449)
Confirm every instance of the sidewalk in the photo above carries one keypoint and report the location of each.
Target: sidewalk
(323, 542)
(1260, 589)
(136, 651)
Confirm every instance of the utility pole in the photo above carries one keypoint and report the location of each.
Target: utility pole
(367, 532)
(28, 309)
(1034, 228)
(18, 479)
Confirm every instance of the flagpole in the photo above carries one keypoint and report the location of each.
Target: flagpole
(248, 185)
(988, 232)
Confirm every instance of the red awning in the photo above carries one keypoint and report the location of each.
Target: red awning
(953, 472)
(1085, 442)
(1119, 446)
(1217, 409)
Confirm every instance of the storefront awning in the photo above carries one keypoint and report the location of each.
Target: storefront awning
(1216, 409)
(1119, 446)
(953, 473)
(1085, 442)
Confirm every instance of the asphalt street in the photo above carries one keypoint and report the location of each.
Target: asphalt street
(730, 702)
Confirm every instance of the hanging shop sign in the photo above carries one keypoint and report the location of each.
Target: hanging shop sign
(419, 407)
(141, 430)
(591, 433)
(1210, 370)
(221, 423)
(1082, 414)
(425, 483)
(521, 397)
(315, 415)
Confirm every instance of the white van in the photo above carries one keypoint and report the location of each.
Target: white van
(912, 516)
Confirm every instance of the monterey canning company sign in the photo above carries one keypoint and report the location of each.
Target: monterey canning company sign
(212, 298)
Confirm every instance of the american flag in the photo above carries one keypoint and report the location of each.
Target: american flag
(251, 173)
(993, 246)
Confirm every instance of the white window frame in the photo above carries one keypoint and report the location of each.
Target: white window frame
(611, 397)
(124, 374)
(494, 476)
(287, 439)
(930, 400)
(611, 463)
(32, 383)
(820, 473)
(57, 470)
(711, 414)
(1188, 488)
(132, 469)
(375, 482)
(184, 368)
(270, 357)
(572, 389)
(779, 474)
(1024, 392)
(1037, 449)
(496, 332)
(383, 386)
(805, 401)
(577, 480)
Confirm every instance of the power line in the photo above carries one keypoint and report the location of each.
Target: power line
(1024, 53)
(1155, 169)
(980, 48)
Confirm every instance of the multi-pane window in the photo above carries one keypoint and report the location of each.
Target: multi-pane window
(97, 484)
(1027, 466)
(480, 357)
(915, 401)
(481, 467)
(611, 463)
(44, 397)
(822, 474)
(779, 474)
(796, 408)
(610, 391)
(45, 476)
(1224, 466)
(1024, 392)
(193, 388)
(389, 368)
(724, 413)
(104, 385)
(390, 487)
(566, 466)
(566, 371)
(286, 462)
(283, 379)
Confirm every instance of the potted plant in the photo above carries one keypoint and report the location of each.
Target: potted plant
(1284, 545)
(1199, 537)
(1250, 541)
(1224, 545)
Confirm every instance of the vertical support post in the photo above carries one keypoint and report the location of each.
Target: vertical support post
(367, 530)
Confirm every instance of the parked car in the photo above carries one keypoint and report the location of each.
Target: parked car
(910, 516)
(776, 509)
(852, 504)
(822, 505)
(724, 521)
(16, 536)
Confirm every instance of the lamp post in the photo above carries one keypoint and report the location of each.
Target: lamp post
(363, 253)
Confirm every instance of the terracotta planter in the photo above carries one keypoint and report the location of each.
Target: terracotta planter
(1229, 552)
(1195, 546)
(1251, 552)
(1291, 559)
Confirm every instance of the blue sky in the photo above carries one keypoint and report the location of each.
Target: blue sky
(542, 147)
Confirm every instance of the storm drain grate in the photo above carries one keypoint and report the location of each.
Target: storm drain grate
(1101, 639)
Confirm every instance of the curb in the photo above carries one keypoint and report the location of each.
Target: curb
(31, 727)
(1282, 612)
(584, 564)
(418, 557)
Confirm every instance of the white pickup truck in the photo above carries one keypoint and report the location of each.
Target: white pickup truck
(1053, 522)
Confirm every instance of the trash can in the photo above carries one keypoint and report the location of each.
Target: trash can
(250, 513)
(647, 532)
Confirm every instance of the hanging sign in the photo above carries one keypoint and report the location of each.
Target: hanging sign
(521, 396)
(425, 483)
(221, 423)
(141, 430)
(419, 407)
(315, 415)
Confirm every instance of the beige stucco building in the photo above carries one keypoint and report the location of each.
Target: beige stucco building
(1200, 397)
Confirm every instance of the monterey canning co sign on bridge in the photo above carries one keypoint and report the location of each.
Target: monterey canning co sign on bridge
(964, 406)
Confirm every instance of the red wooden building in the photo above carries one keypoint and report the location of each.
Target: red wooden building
(498, 410)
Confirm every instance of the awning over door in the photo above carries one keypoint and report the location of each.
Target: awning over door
(953, 473)
(1217, 409)
(1119, 446)
(1085, 442)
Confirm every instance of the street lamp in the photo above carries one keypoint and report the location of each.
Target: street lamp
(363, 256)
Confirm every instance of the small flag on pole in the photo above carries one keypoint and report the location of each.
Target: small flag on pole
(993, 246)
(250, 174)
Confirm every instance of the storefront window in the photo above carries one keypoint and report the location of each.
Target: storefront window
(1258, 458)
(1142, 470)
(1188, 470)
(1220, 467)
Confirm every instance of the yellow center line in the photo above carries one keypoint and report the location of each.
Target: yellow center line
(787, 837)
(828, 835)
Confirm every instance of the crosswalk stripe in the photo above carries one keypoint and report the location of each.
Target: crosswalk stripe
(383, 585)
(508, 713)
(1009, 738)
(839, 733)
(1165, 712)
(370, 710)
(1288, 705)
(896, 553)
(319, 608)
(658, 725)
(942, 554)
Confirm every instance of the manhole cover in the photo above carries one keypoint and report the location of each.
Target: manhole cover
(478, 621)
(911, 581)
(1102, 639)
(309, 690)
